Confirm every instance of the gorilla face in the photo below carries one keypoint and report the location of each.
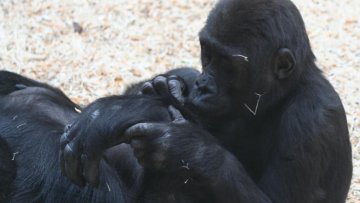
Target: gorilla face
(223, 79)
(240, 61)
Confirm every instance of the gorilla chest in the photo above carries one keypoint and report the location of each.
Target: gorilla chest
(251, 145)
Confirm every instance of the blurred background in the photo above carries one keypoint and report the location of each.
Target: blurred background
(92, 49)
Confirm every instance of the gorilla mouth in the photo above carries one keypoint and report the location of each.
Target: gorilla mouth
(200, 101)
(200, 97)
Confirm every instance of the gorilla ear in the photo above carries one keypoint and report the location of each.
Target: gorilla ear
(285, 63)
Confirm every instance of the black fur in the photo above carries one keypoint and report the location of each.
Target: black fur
(280, 126)
(269, 127)
(296, 148)
(32, 119)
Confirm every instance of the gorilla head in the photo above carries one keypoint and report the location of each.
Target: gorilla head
(250, 49)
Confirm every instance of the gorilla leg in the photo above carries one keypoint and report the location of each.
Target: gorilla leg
(11, 82)
(31, 114)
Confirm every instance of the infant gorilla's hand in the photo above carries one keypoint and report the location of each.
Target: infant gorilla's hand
(164, 86)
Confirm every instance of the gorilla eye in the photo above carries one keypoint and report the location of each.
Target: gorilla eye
(206, 55)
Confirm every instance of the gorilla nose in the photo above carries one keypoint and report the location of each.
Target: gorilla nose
(204, 86)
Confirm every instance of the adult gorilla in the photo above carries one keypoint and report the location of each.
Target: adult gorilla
(33, 116)
(272, 128)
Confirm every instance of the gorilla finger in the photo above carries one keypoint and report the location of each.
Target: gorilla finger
(148, 89)
(159, 165)
(70, 132)
(142, 161)
(62, 162)
(137, 143)
(176, 89)
(139, 153)
(72, 165)
(91, 169)
(176, 115)
(64, 140)
(148, 130)
(161, 86)
(158, 156)
(67, 128)
(173, 77)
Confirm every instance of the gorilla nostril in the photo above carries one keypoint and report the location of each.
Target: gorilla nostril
(197, 83)
(203, 89)
(203, 86)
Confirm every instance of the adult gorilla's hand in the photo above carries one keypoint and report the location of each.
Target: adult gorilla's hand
(100, 127)
(178, 145)
(164, 85)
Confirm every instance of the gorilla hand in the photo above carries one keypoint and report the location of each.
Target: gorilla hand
(100, 127)
(165, 86)
(174, 146)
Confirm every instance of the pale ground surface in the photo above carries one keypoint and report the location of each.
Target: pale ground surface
(125, 41)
